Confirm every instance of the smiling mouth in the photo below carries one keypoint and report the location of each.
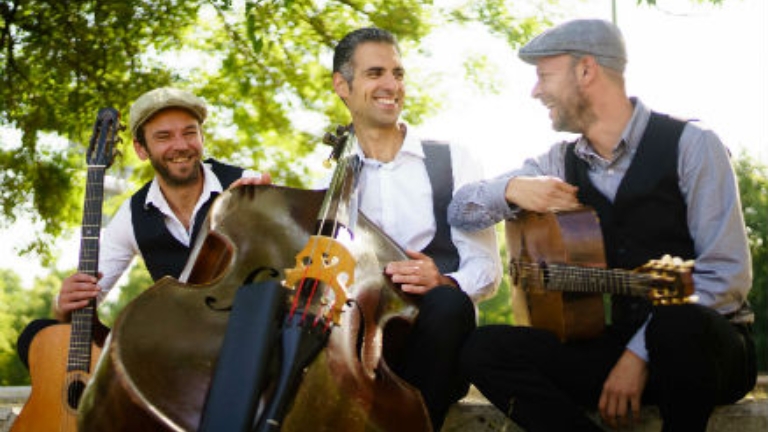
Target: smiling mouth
(387, 102)
(180, 159)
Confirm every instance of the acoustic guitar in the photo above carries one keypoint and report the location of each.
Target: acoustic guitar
(62, 356)
(558, 274)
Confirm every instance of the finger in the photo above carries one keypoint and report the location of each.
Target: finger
(414, 289)
(635, 405)
(71, 306)
(401, 278)
(80, 295)
(402, 267)
(416, 255)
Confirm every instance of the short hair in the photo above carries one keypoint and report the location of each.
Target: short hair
(342, 55)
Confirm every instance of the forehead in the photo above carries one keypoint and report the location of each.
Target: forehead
(376, 54)
(553, 63)
(170, 117)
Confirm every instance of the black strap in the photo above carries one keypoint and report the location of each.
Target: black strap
(438, 162)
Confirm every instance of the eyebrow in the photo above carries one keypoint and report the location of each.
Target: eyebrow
(187, 128)
(380, 69)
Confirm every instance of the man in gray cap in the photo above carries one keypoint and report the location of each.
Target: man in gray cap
(161, 221)
(659, 186)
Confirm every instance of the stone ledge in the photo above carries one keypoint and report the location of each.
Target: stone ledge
(475, 414)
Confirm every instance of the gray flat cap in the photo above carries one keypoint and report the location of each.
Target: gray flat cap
(158, 99)
(595, 37)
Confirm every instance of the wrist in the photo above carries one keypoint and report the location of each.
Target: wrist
(449, 281)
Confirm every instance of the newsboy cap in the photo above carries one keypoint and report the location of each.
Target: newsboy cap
(161, 98)
(594, 37)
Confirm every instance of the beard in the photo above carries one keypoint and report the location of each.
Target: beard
(575, 113)
(175, 179)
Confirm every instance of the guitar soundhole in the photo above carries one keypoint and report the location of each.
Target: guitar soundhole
(74, 391)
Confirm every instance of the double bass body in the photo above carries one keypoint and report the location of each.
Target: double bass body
(157, 368)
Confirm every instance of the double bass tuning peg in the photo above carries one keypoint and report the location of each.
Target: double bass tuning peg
(336, 141)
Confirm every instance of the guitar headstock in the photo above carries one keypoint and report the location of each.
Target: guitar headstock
(102, 146)
(671, 281)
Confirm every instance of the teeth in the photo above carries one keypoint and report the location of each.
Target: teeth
(387, 101)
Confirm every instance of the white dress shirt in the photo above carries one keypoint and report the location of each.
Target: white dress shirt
(397, 197)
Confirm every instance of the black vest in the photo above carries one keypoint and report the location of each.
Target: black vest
(438, 162)
(162, 253)
(648, 217)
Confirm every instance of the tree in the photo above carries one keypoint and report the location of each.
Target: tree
(753, 188)
(17, 308)
(262, 65)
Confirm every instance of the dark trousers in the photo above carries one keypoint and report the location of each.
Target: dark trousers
(430, 361)
(697, 360)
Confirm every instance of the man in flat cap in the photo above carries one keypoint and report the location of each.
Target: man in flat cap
(161, 221)
(659, 186)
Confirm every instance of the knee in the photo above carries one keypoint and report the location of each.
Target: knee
(448, 308)
(678, 323)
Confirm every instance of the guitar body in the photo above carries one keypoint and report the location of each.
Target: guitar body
(568, 237)
(52, 403)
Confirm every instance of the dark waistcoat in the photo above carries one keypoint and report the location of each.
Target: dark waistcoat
(647, 218)
(162, 253)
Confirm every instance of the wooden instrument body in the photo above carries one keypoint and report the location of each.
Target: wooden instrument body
(49, 406)
(572, 237)
(158, 366)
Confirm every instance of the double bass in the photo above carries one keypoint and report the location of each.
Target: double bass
(157, 371)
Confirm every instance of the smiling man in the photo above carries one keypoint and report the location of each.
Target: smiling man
(161, 221)
(405, 186)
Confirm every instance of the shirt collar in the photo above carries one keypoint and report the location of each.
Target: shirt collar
(630, 136)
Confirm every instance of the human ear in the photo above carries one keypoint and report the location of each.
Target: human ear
(141, 151)
(340, 86)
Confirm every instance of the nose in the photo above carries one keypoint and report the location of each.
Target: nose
(391, 82)
(536, 90)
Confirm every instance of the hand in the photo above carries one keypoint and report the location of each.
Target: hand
(541, 194)
(417, 275)
(259, 179)
(76, 291)
(622, 391)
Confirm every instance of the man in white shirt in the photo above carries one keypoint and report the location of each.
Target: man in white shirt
(162, 219)
(405, 185)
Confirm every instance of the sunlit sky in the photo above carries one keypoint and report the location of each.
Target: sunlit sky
(690, 60)
(686, 59)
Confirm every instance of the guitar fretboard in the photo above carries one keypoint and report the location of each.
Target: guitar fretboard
(82, 319)
(562, 277)
(597, 280)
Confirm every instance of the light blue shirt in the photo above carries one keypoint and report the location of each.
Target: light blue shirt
(722, 271)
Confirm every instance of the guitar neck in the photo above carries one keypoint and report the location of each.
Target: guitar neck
(561, 277)
(82, 319)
